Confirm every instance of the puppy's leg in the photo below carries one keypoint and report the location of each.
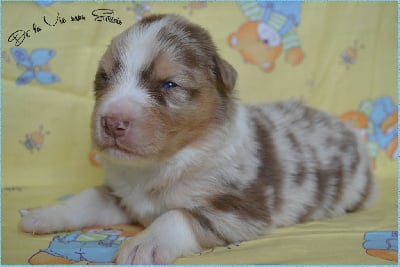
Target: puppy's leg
(171, 235)
(94, 206)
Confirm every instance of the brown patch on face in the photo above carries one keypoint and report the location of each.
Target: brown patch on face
(195, 49)
(181, 115)
(101, 82)
(164, 69)
(185, 60)
(153, 76)
(106, 71)
(191, 124)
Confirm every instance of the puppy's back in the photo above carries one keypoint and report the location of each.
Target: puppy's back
(313, 165)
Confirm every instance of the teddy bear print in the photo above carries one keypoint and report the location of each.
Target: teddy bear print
(268, 33)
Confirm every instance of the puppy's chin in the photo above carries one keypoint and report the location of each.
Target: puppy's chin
(118, 153)
(121, 156)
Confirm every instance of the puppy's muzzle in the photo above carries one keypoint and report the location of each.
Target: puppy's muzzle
(115, 127)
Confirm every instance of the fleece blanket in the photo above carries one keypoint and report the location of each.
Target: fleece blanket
(340, 57)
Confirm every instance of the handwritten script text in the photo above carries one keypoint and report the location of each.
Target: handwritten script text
(99, 15)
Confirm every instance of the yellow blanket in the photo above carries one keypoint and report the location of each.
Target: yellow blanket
(339, 57)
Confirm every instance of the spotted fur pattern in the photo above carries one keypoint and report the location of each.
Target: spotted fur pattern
(186, 159)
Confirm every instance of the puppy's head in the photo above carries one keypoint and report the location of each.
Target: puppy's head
(159, 87)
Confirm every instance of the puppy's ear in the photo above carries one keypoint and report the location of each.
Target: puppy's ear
(226, 76)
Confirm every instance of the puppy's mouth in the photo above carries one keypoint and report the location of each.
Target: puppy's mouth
(117, 147)
(113, 147)
(113, 137)
(120, 152)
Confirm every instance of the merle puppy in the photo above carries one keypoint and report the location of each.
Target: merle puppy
(184, 158)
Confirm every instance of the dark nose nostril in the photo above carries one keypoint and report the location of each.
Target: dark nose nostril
(114, 127)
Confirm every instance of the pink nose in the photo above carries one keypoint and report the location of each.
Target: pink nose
(115, 127)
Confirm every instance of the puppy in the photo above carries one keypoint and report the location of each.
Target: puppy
(194, 166)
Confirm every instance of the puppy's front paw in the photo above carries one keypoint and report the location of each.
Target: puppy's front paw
(167, 238)
(145, 249)
(41, 221)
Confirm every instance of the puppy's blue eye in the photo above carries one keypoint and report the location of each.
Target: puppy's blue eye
(169, 85)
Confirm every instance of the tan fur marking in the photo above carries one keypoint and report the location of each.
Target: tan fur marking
(249, 204)
(204, 229)
(164, 69)
(269, 170)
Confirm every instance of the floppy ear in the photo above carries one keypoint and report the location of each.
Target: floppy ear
(226, 76)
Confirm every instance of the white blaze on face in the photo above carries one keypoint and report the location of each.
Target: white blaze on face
(136, 49)
(125, 99)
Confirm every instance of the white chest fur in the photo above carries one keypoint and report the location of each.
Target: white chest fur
(131, 185)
